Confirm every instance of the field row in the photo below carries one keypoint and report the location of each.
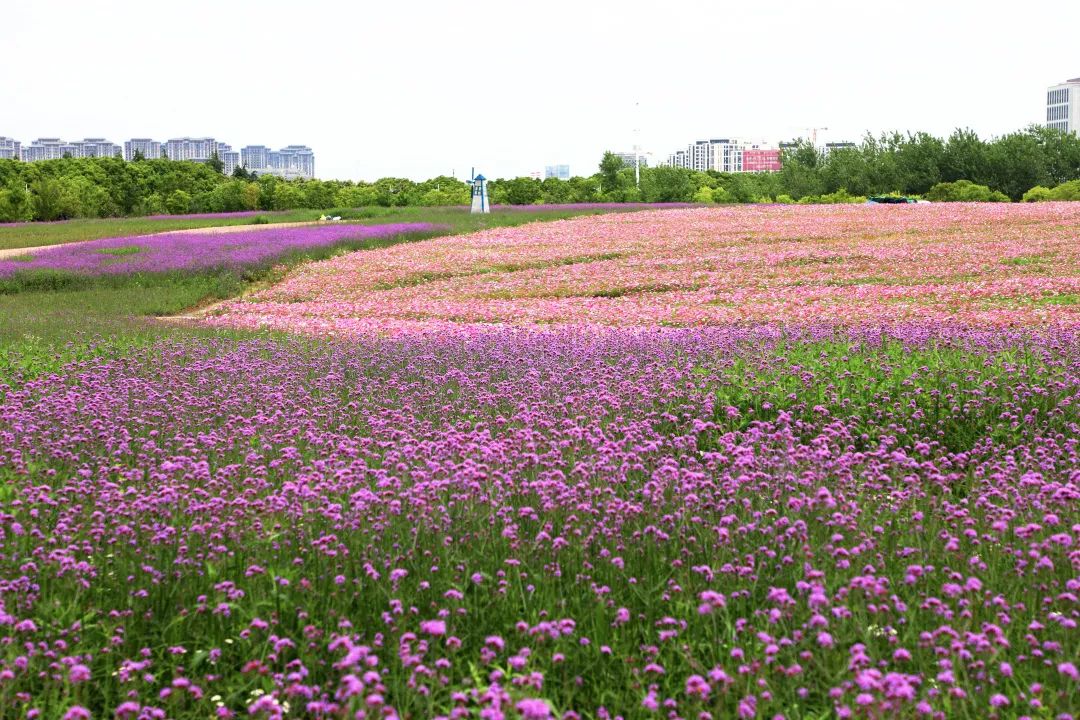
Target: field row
(1002, 265)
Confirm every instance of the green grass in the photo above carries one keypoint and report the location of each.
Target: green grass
(125, 250)
(952, 395)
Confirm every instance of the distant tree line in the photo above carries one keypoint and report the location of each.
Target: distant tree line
(963, 166)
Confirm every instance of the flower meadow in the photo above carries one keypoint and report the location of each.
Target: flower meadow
(188, 251)
(853, 516)
(1015, 265)
(695, 523)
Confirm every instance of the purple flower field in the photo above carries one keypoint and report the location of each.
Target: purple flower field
(188, 216)
(500, 523)
(187, 250)
(593, 206)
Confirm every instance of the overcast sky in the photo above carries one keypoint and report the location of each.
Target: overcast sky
(417, 88)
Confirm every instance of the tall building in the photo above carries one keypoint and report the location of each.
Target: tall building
(726, 155)
(629, 159)
(718, 154)
(1063, 106)
(559, 172)
(9, 149)
(255, 158)
(230, 159)
(48, 149)
(833, 146)
(293, 161)
(95, 147)
(186, 148)
(150, 149)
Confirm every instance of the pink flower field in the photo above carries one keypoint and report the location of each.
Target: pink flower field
(1016, 265)
(848, 488)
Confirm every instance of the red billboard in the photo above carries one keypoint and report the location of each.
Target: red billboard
(756, 160)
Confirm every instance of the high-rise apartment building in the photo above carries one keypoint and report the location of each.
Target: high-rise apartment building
(831, 147)
(186, 148)
(558, 172)
(255, 158)
(95, 147)
(230, 159)
(150, 149)
(293, 161)
(1063, 106)
(9, 149)
(726, 155)
(718, 154)
(629, 160)
(47, 149)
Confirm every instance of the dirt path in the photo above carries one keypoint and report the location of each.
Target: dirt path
(220, 229)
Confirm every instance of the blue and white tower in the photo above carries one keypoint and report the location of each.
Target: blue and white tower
(480, 202)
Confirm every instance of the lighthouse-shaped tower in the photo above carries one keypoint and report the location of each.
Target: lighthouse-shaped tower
(480, 202)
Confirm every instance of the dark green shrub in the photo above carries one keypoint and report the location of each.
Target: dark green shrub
(964, 191)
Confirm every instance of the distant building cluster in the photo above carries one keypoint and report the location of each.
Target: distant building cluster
(1062, 106)
(55, 148)
(830, 147)
(629, 159)
(726, 155)
(558, 172)
(293, 161)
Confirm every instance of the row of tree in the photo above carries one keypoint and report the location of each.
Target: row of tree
(910, 164)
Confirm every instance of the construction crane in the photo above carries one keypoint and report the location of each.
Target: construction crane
(813, 134)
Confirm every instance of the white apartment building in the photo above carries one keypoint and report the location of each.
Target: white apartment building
(186, 148)
(255, 158)
(47, 149)
(229, 158)
(9, 149)
(293, 161)
(719, 154)
(150, 149)
(629, 160)
(1063, 106)
(830, 147)
(95, 147)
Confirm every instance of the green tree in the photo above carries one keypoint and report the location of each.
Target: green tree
(1016, 163)
(355, 196)
(800, 173)
(15, 205)
(178, 202)
(965, 157)
(610, 166)
(523, 190)
(47, 199)
(215, 163)
(918, 162)
(667, 184)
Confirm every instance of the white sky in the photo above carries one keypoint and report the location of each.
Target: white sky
(416, 88)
